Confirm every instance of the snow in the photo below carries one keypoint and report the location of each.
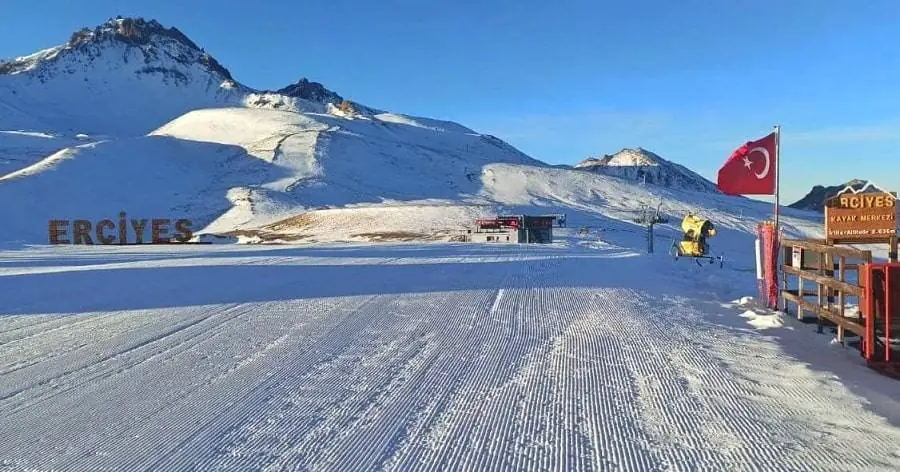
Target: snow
(110, 88)
(763, 321)
(276, 101)
(32, 134)
(415, 221)
(641, 165)
(32, 61)
(346, 331)
(411, 356)
(20, 149)
(248, 128)
(427, 123)
(239, 168)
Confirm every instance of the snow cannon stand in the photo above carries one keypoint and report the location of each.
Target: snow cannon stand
(693, 242)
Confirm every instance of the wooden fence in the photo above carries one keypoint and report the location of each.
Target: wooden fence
(835, 273)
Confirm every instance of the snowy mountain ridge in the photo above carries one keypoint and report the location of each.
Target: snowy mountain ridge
(124, 77)
(129, 76)
(643, 166)
(815, 199)
(149, 36)
(143, 113)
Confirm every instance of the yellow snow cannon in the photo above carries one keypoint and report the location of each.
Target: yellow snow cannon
(693, 242)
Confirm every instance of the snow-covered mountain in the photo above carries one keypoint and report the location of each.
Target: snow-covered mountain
(131, 116)
(142, 112)
(644, 166)
(815, 199)
(129, 76)
(124, 77)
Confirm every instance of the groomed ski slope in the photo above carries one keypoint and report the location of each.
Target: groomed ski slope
(577, 356)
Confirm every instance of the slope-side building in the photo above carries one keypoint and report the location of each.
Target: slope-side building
(513, 229)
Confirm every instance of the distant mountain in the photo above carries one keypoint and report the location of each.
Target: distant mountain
(815, 199)
(145, 114)
(126, 76)
(134, 117)
(129, 76)
(641, 165)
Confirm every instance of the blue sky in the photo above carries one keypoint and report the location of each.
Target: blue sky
(561, 80)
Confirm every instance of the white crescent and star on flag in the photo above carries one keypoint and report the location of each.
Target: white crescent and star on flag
(748, 163)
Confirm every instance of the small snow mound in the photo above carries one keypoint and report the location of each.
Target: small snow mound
(744, 302)
(763, 321)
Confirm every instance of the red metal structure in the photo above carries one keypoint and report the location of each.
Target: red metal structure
(881, 305)
(520, 228)
(516, 222)
(768, 284)
(498, 222)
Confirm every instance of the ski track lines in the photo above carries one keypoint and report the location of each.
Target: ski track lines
(74, 329)
(702, 416)
(518, 375)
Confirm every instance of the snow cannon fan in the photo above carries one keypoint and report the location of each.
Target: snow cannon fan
(693, 243)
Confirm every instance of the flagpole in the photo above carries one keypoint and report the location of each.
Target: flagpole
(777, 173)
(777, 235)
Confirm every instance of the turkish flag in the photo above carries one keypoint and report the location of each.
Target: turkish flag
(751, 169)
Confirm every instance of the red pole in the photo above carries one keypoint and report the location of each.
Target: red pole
(887, 313)
(869, 315)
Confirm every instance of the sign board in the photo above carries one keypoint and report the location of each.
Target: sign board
(796, 257)
(869, 217)
(807, 259)
(108, 232)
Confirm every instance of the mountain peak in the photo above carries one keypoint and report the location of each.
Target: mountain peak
(815, 199)
(100, 75)
(148, 36)
(129, 30)
(312, 91)
(641, 165)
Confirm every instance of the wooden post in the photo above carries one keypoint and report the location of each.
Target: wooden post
(842, 278)
(892, 251)
(819, 290)
(829, 263)
(784, 288)
(784, 282)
